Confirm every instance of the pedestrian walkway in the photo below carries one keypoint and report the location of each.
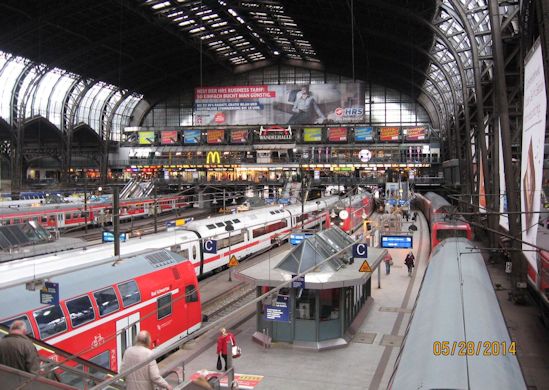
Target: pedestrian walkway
(367, 362)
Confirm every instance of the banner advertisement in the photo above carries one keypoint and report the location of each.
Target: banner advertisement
(481, 188)
(239, 136)
(337, 134)
(503, 218)
(364, 134)
(275, 133)
(284, 104)
(146, 137)
(533, 133)
(312, 134)
(389, 133)
(168, 137)
(215, 136)
(191, 136)
(415, 133)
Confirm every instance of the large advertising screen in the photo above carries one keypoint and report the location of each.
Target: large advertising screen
(191, 137)
(215, 136)
(312, 134)
(364, 134)
(503, 207)
(168, 137)
(533, 132)
(389, 133)
(146, 137)
(337, 134)
(282, 104)
(239, 136)
(415, 133)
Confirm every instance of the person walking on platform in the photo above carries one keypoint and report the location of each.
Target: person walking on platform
(147, 377)
(409, 261)
(222, 344)
(17, 350)
(388, 263)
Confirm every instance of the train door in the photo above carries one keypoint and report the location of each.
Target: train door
(126, 333)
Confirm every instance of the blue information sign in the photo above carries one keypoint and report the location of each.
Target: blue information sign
(360, 251)
(280, 311)
(210, 246)
(405, 242)
(299, 282)
(297, 238)
(49, 294)
(108, 236)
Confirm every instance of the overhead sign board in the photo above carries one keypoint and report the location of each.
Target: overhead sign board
(360, 251)
(312, 134)
(210, 246)
(49, 294)
(403, 242)
(297, 238)
(191, 137)
(108, 236)
(364, 134)
(298, 282)
(239, 136)
(215, 136)
(337, 134)
(415, 133)
(168, 137)
(146, 137)
(280, 310)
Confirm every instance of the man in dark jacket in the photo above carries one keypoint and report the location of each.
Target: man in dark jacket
(17, 350)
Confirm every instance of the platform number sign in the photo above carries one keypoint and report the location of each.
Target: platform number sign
(360, 251)
(210, 246)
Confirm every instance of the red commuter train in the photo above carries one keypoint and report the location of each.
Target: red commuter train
(436, 210)
(103, 307)
(355, 212)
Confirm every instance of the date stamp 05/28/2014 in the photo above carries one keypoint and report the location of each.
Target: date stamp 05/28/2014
(474, 348)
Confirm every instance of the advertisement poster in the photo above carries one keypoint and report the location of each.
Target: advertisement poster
(168, 137)
(481, 188)
(282, 104)
(239, 136)
(146, 137)
(503, 208)
(275, 133)
(312, 134)
(389, 133)
(337, 134)
(364, 134)
(215, 136)
(533, 133)
(415, 133)
(191, 136)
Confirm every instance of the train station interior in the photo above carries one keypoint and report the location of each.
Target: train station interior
(311, 194)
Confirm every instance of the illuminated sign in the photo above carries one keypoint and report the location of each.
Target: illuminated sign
(415, 133)
(215, 136)
(337, 134)
(239, 136)
(146, 137)
(275, 133)
(213, 158)
(312, 134)
(364, 134)
(168, 137)
(191, 136)
(405, 242)
(389, 133)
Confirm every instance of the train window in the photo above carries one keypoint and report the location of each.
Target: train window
(443, 234)
(50, 321)
(210, 226)
(16, 220)
(80, 311)
(67, 216)
(129, 292)
(259, 232)
(276, 226)
(103, 360)
(235, 239)
(44, 219)
(236, 220)
(25, 319)
(164, 306)
(106, 301)
(191, 293)
(194, 252)
(220, 224)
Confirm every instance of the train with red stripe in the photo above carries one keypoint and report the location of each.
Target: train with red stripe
(68, 215)
(436, 210)
(103, 306)
(350, 214)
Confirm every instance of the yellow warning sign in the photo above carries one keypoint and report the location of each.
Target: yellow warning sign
(233, 262)
(365, 267)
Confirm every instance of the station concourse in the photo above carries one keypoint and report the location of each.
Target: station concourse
(173, 167)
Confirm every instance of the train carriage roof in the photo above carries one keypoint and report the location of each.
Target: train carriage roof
(18, 299)
(438, 203)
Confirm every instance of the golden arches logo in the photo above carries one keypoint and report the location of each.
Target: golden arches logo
(213, 158)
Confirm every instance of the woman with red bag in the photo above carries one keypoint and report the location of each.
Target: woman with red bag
(222, 344)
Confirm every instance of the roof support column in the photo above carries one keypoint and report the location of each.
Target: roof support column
(502, 109)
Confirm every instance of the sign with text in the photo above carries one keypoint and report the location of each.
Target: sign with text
(415, 133)
(298, 282)
(49, 294)
(297, 238)
(403, 242)
(210, 246)
(364, 134)
(168, 137)
(389, 133)
(191, 136)
(146, 137)
(239, 136)
(215, 136)
(337, 134)
(312, 134)
(360, 251)
(283, 104)
(280, 310)
(108, 236)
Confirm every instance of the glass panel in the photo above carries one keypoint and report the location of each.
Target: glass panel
(129, 292)
(164, 306)
(50, 321)
(80, 311)
(191, 294)
(329, 304)
(305, 305)
(106, 301)
(25, 319)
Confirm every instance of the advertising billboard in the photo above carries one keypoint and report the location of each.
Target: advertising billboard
(364, 134)
(239, 136)
(146, 137)
(533, 133)
(312, 134)
(389, 133)
(168, 137)
(415, 133)
(283, 104)
(191, 136)
(503, 208)
(337, 134)
(215, 136)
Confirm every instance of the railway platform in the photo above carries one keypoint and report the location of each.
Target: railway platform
(368, 360)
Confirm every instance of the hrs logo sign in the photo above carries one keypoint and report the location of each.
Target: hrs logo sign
(349, 111)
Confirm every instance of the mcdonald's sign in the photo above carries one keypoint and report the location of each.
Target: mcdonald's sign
(213, 158)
